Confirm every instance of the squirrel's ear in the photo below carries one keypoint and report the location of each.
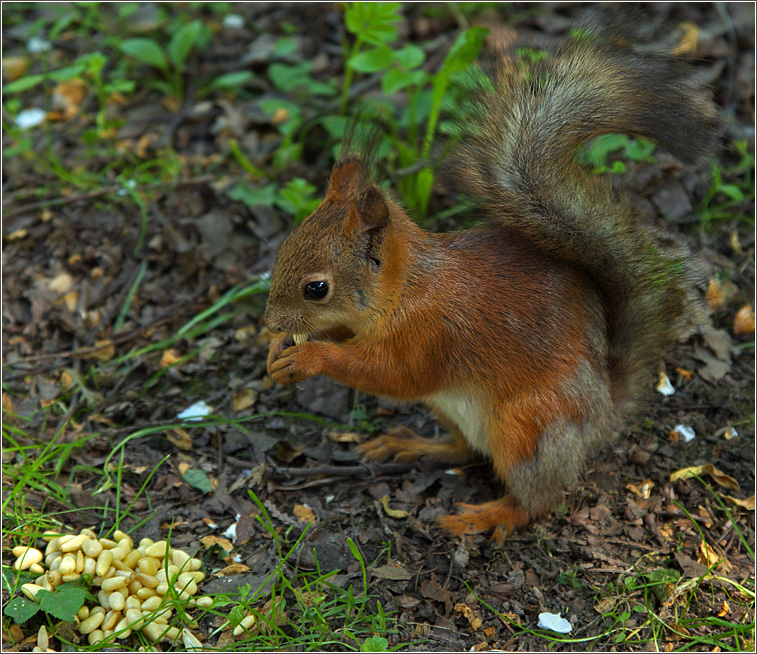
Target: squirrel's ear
(344, 180)
(372, 210)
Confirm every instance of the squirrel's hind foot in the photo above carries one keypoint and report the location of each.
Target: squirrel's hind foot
(502, 515)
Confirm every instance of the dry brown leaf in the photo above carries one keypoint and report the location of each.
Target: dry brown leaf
(17, 235)
(686, 374)
(105, 351)
(392, 513)
(714, 295)
(706, 516)
(707, 469)
(286, 453)
(391, 572)
(220, 541)
(233, 569)
(304, 513)
(61, 283)
(170, 357)
(181, 439)
(345, 437)
(466, 611)
(747, 504)
(743, 323)
(68, 96)
(244, 399)
(14, 67)
(707, 555)
(71, 300)
(183, 467)
(245, 335)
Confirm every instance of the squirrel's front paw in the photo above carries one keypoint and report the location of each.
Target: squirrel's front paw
(289, 365)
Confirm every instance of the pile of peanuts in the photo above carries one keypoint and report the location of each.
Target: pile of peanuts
(137, 585)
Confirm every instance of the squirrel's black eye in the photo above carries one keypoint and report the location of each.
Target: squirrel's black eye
(316, 290)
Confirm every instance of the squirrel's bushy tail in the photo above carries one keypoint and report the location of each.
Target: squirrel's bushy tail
(520, 162)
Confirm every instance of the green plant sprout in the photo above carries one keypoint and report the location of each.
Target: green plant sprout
(170, 62)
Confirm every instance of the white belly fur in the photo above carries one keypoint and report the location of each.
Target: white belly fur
(467, 411)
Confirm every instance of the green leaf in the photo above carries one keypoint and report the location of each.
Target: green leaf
(233, 80)
(411, 56)
(373, 22)
(375, 644)
(64, 603)
(296, 198)
(198, 479)
(265, 195)
(732, 191)
(146, 51)
(288, 78)
(183, 41)
(395, 79)
(20, 609)
(23, 83)
(67, 73)
(639, 150)
(334, 125)
(464, 50)
(372, 61)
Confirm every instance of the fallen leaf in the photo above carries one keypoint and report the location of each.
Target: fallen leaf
(724, 609)
(68, 96)
(684, 373)
(170, 357)
(714, 295)
(18, 235)
(14, 67)
(219, 541)
(286, 453)
(180, 438)
(105, 351)
(605, 605)
(743, 323)
(430, 589)
(747, 504)
(467, 612)
(706, 469)
(304, 513)
(707, 555)
(233, 569)
(391, 572)
(244, 399)
(344, 437)
(392, 513)
(61, 283)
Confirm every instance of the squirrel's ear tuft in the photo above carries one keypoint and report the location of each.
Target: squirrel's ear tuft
(344, 179)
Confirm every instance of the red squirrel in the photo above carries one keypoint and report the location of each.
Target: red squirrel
(532, 337)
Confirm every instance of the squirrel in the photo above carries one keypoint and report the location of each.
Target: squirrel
(534, 336)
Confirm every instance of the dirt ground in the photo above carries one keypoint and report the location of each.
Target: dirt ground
(200, 243)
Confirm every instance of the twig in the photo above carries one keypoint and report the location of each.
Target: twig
(7, 215)
(115, 340)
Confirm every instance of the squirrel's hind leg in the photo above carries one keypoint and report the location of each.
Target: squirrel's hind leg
(405, 445)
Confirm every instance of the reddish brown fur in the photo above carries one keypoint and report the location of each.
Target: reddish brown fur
(530, 338)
